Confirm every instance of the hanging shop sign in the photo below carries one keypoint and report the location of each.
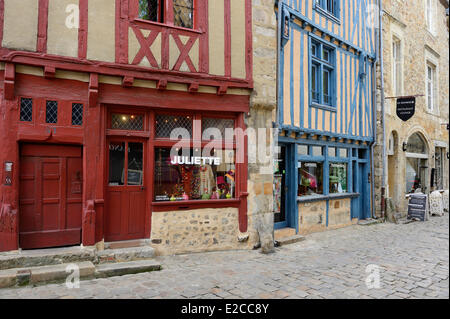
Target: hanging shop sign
(406, 107)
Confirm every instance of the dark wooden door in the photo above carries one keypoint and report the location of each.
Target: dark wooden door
(50, 196)
(126, 193)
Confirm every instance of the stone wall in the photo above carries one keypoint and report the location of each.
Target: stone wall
(406, 21)
(263, 106)
(312, 217)
(199, 230)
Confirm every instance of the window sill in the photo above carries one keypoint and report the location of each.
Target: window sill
(327, 14)
(163, 25)
(317, 198)
(324, 107)
(194, 204)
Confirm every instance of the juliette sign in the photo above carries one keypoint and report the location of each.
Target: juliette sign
(406, 108)
(186, 160)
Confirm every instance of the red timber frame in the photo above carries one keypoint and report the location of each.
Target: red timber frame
(97, 98)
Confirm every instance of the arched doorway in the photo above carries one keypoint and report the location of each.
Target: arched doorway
(416, 164)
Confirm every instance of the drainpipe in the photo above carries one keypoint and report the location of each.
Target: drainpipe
(383, 115)
(374, 128)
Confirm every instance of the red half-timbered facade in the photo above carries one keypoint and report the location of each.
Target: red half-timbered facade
(89, 93)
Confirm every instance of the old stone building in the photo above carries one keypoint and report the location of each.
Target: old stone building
(415, 63)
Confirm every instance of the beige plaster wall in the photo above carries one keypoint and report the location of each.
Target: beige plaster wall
(62, 38)
(20, 25)
(101, 30)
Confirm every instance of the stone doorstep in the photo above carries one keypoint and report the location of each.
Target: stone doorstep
(125, 254)
(45, 257)
(369, 221)
(125, 268)
(283, 233)
(58, 256)
(290, 240)
(127, 244)
(42, 274)
(57, 273)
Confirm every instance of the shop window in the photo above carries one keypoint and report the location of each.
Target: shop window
(51, 112)
(153, 10)
(310, 178)
(215, 128)
(323, 77)
(26, 110)
(77, 114)
(416, 145)
(416, 170)
(128, 122)
(338, 178)
(439, 166)
(135, 160)
(166, 124)
(197, 175)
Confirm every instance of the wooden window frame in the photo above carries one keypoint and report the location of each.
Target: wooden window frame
(321, 65)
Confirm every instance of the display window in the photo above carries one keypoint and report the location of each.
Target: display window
(310, 178)
(338, 178)
(194, 175)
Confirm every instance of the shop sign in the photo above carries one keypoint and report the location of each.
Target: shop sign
(406, 108)
(417, 206)
(195, 160)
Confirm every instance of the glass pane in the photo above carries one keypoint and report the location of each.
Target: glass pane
(51, 115)
(343, 152)
(326, 55)
(26, 110)
(206, 176)
(338, 178)
(412, 174)
(310, 178)
(166, 124)
(127, 122)
(332, 152)
(116, 163)
(302, 150)
(151, 10)
(215, 129)
(317, 151)
(326, 91)
(77, 114)
(183, 13)
(315, 94)
(135, 163)
(416, 144)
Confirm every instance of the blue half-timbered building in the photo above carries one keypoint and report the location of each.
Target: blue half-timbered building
(325, 113)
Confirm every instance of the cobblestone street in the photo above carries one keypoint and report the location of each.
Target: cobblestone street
(413, 260)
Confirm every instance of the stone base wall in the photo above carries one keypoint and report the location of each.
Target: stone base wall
(313, 216)
(200, 230)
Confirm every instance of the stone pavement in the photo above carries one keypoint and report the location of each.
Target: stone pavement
(412, 260)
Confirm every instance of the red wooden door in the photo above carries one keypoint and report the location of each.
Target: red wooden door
(126, 194)
(50, 196)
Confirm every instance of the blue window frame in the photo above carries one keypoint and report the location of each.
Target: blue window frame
(322, 76)
(328, 7)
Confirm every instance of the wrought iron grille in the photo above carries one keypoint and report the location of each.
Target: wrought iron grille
(220, 124)
(51, 112)
(127, 122)
(183, 13)
(77, 114)
(151, 10)
(26, 110)
(165, 124)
